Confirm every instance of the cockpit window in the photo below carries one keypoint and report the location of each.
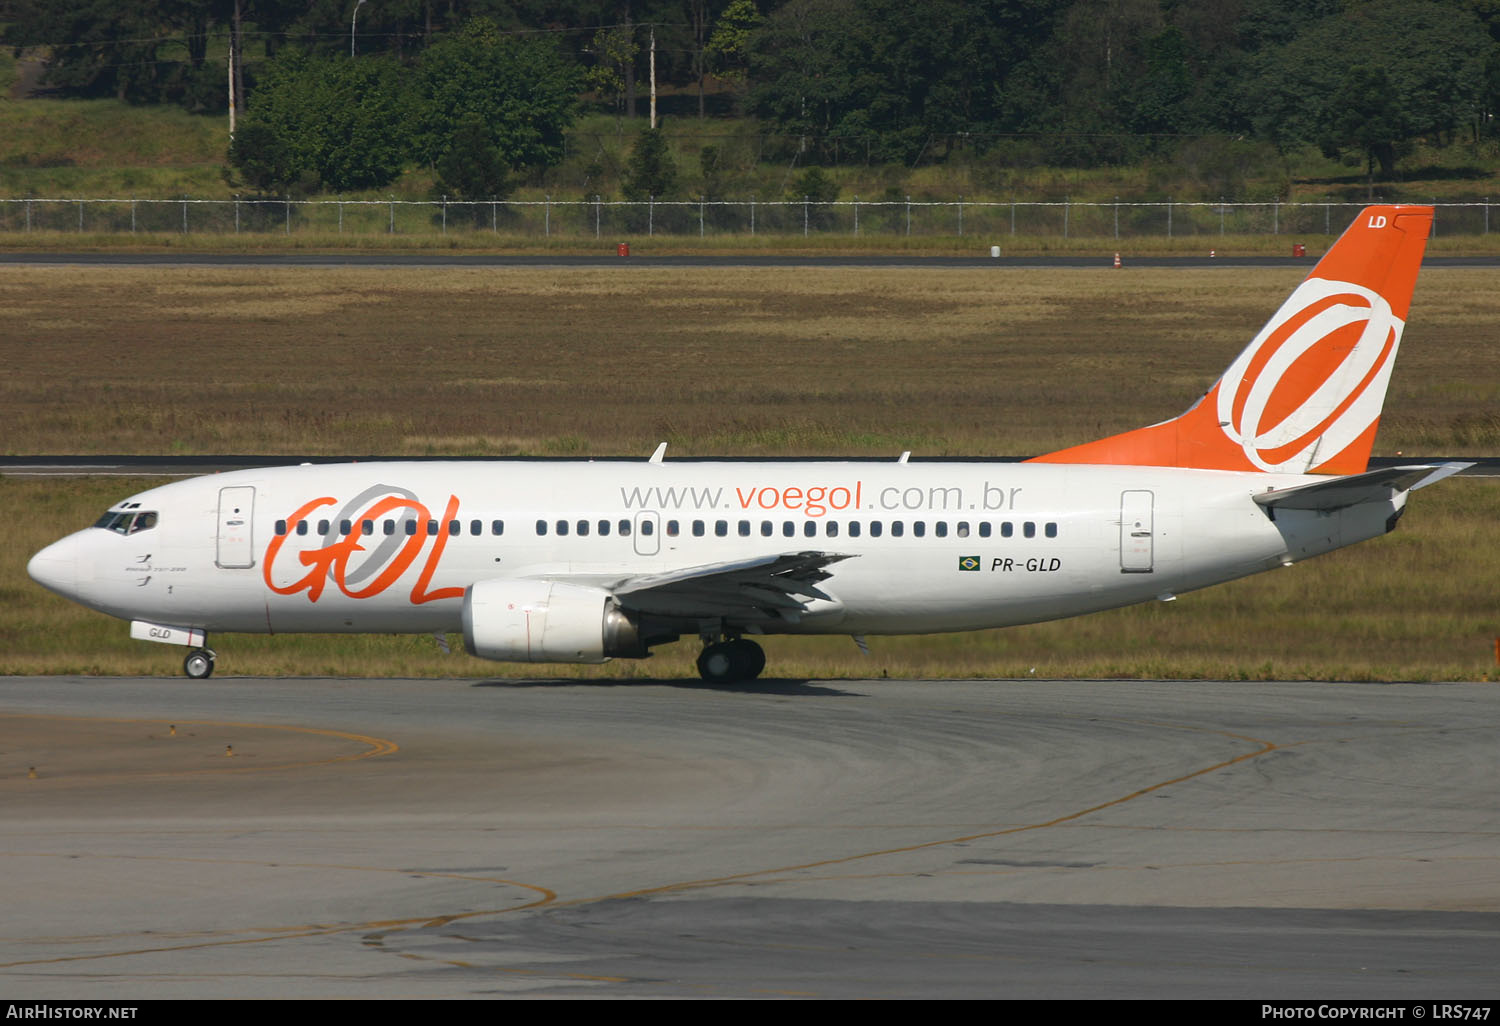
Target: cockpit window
(127, 521)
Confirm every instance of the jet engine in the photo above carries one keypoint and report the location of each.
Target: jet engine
(547, 622)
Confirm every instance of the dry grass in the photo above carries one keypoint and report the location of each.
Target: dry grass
(485, 361)
(746, 361)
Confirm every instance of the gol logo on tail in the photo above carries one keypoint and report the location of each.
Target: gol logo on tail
(1315, 376)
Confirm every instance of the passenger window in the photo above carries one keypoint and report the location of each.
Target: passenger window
(497, 527)
(897, 529)
(647, 527)
(744, 528)
(831, 528)
(940, 528)
(541, 527)
(788, 529)
(411, 528)
(876, 528)
(919, 528)
(624, 528)
(389, 527)
(562, 528)
(697, 529)
(810, 528)
(984, 529)
(281, 527)
(323, 527)
(1007, 529)
(604, 528)
(432, 528)
(1051, 530)
(721, 528)
(583, 528)
(367, 527)
(1029, 529)
(962, 530)
(671, 529)
(766, 528)
(854, 528)
(345, 526)
(302, 527)
(476, 527)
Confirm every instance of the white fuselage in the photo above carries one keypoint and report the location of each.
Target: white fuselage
(931, 546)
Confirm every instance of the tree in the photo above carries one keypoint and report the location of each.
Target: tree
(1409, 68)
(333, 121)
(651, 172)
(520, 89)
(472, 167)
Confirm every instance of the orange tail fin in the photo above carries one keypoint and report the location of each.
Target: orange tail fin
(1305, 396)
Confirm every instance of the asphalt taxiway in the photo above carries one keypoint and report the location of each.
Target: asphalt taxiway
(432, 838)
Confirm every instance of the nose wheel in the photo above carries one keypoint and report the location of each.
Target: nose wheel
(199, 663)
(725, 662)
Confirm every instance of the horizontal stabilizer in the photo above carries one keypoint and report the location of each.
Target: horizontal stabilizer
(1373, 486)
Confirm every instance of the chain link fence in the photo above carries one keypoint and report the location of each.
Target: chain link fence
(600, 218)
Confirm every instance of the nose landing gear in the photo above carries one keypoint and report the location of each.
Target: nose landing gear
(199, 663)
(726, 662)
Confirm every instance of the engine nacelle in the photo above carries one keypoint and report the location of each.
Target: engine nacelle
(546, 622)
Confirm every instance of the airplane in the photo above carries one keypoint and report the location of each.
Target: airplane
(585, 561)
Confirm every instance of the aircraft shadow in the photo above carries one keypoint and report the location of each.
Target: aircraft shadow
(761, 686)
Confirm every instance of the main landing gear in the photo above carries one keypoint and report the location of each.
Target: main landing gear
(725, 662)
(199, 663)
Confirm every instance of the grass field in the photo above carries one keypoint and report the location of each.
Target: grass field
(744, 362)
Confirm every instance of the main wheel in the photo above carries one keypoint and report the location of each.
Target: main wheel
(198, 664)
(725, 662)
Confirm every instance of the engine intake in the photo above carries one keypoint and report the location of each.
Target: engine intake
(547, 622)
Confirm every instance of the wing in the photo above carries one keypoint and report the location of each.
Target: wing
(746, 592)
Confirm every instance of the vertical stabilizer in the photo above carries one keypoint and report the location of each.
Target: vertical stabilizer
(1305, 396)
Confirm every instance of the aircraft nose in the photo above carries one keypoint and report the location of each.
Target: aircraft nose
(56, 568)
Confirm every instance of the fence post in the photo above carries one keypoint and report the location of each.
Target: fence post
(547, 215)
(184, 215)
(1276, 217)
(596, 215)
(908, 216)
(960, 215)
(1117, 217)
(1013, 217)
(1169, 217)
(752, 215)
(494, 216)
(132, 215)
(804, 217)
(700, 215)
(392, 229)
(28, 215)
(288, 214)
(1067, 202)
(236, 214)
(80, 217)
(650, 215)
(856, 214)
(445, 213)
(1325, 218)
(1486, 215)
(1221, 215)
(341, 216)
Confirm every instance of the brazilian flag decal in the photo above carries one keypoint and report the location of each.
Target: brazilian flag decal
(968, 562)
